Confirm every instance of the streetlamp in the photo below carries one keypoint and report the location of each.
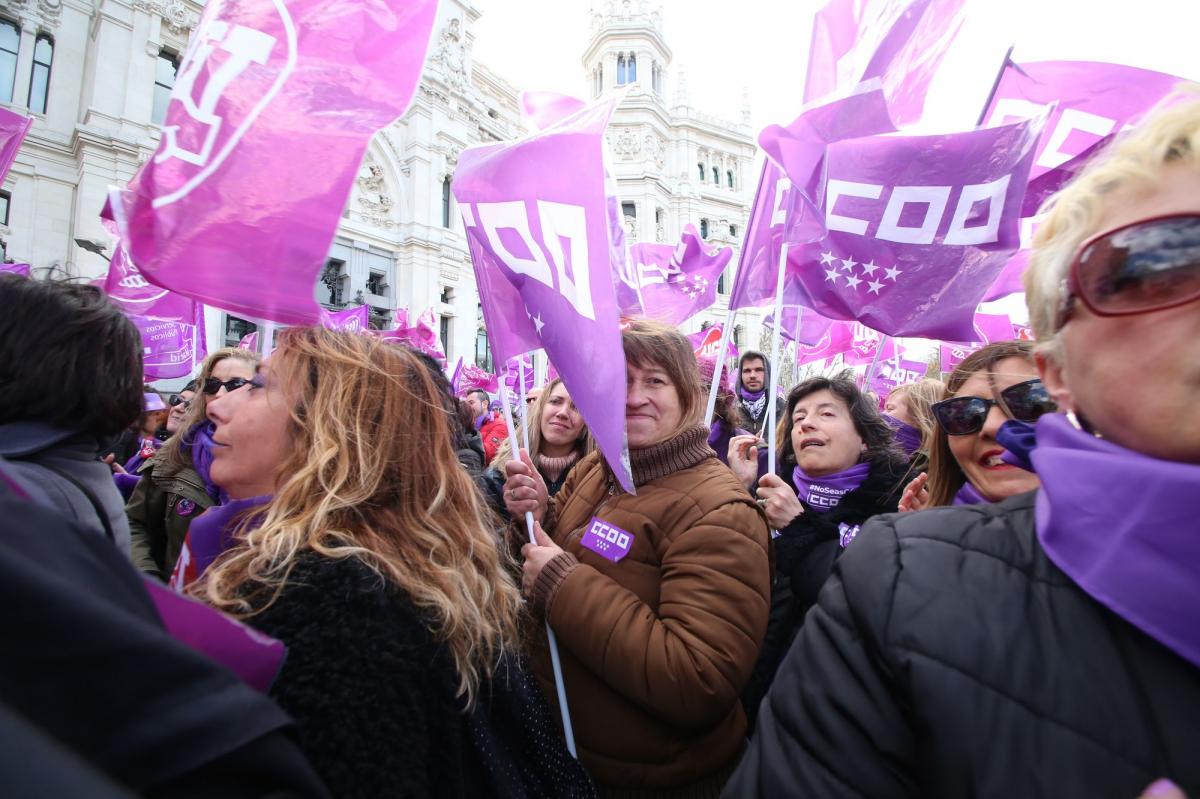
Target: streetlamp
(93, 247)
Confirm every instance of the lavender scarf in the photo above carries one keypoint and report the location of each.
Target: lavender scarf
(822, 494)
(907, 436)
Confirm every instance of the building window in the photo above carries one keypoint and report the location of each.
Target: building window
(656, 73)
(737, 336)
(733, 231)
(483, 350)
(444, 333)
(10, 42)
(331, 277)
(704, 228)
(165, 71)
(629, 209)
(446, 201)
(716, 177)
(39, 79)
(721, 284)
(447, 295)
(375, 284)
(621, 70)
(236, 329)
(632, 69)
(5, 199)
(700, 168)
(729, 178)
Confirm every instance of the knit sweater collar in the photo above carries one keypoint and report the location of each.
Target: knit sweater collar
(683, 451)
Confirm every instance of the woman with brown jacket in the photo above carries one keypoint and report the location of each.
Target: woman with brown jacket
(658, 600)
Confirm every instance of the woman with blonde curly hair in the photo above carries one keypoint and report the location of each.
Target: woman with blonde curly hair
(1048, 644)
(175, 487)
(371, 561)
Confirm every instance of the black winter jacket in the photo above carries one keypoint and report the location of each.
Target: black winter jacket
(374, 698)
(948, 657)
(804, 554)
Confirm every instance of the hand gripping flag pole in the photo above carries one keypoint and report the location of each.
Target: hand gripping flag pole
(568, 731)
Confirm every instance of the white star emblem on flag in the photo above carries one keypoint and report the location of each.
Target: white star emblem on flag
(832, 275)
(827, 258)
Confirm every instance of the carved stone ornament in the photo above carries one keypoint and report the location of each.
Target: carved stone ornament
(373, 197)
(626, 144)
(655, 149)
(451, 53)
(37, 14)
(631, 229)
(175, 14)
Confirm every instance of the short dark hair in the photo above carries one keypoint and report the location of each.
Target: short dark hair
(876, 434)
(487, 398)
(68, 357)
(751, 355)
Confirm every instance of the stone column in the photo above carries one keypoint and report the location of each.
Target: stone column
(24, 65)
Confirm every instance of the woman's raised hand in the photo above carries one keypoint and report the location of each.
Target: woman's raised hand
(524, 489)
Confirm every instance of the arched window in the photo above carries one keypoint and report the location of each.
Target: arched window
(621, 70)
(701, 168)
(704, 228)
(165, 71)
(721, 290)
(716, 177)
(10, 42)
(446, 201)
(632, 68)
(39, 80)
(733, 231)
(729, 178)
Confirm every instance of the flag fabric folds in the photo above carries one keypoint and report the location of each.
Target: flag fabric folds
(672, 283)
(13, 128)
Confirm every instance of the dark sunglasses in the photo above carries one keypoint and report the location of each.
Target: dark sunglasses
(1025, 402)
(212, 385)
(1147, 266)
(175, 399)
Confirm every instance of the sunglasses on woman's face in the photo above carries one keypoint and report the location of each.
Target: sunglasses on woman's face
(1148, 266)
(963, 416)
(175, 400)
(212, 385)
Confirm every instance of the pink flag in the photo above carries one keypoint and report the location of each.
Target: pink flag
(901, 43)
(512, 373)
(1094, 100)
(988, 328)
(420, 334)
(354, 319)
(812, 325)
(249, 341)
(16, 269)
(672, 284)
(707, 343)
(919, 227)
(13, 127)
(536, 213)
(836, 340)
(274, 105)
(892, 373)
(864, 344)
(135, 295)
(168, 348)
(471, 378)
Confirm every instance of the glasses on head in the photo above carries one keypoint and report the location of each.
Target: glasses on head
(1025, 402)
(1147, 266)
(212, 385)
(175, 400)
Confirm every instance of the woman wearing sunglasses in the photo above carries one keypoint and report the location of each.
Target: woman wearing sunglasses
(990, 386)
(1048, 644)
(175, 488)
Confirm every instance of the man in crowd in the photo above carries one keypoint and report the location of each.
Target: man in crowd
(491, 427)
(754, 377)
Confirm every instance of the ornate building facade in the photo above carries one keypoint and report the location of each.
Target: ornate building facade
(96, 76)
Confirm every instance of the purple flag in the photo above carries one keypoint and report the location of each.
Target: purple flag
(864, 344)
(672, 284)
(16, 269)
(274, 105)
(472, 378)
(1094, 100)
(707, 342)
(13, 127)
(537, 219)
(892, 373)
(135, 295)
(812, 324)
(919, 229)
(353, 319)
(836, 340)
(420, 335)
(168, 348)
(901, 43)
(252, 656)
(543, 109)
(988, 328)
(512, 373)
(249, 341)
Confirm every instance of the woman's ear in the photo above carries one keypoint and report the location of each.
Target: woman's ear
(1051, 372)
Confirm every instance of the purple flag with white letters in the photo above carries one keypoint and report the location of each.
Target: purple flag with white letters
(271, 113)
(13, 127)
(135, 295)
(16, 269)
(471, 378)
(168, 348)
(672, 284)
(988, 328)
(536, 216)
(864, 346)
(354, 320)
(895, 372)
(836, 340)
(919, 227)
(512, 373)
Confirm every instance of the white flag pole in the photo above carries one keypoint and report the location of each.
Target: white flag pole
(883, 340)
(524, 404)
(266, 338)
(773, 383)
(796, 340)
(718, 368)
(568, 731)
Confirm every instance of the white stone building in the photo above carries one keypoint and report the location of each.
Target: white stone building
(96, 75)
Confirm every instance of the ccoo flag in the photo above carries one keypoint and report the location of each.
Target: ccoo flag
(671, 284)
(537, 221)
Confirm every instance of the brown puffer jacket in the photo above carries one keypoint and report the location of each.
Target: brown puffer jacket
(656, 648)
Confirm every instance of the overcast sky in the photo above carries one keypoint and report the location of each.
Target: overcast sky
(762, 45)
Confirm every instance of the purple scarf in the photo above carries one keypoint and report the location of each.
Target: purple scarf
(751, 396)
(907, 436)
(209, 536)
(201, 440)
(1122, 525)
(822, 494)
(969, 495)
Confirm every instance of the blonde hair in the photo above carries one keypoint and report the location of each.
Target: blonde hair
(372, 475)
(1170, 134)
(920, 397)
(504, 454)
(650, 344)
(176, 453)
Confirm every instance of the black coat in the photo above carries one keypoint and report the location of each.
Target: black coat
(805, 551)
(948, 657)
(374, 698)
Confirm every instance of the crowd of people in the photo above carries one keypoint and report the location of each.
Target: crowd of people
(977, 586)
